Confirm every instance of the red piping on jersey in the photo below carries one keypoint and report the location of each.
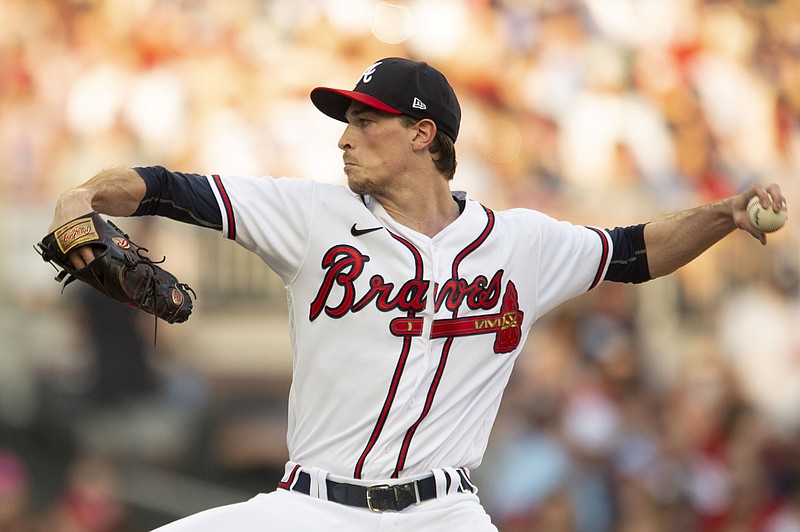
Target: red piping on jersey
(226, 201)
(401, 459)
(398, 371)
(604, 239)
(475, 244)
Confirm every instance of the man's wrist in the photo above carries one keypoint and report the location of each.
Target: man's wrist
(71, 204)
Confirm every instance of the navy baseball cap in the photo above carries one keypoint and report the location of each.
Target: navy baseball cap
(398, 86)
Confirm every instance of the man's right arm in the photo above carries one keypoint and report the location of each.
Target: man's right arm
(145, 191)
(116, 192)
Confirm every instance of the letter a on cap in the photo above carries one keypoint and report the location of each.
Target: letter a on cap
(366, 77)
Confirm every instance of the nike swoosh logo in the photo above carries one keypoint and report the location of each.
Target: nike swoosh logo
(358, 232)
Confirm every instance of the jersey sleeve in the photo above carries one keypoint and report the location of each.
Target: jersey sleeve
(629, 260)
(269, 216)
(180, 196)
(569, 259)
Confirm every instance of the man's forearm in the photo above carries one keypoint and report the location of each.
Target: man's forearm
(116, 192)
(675, 240)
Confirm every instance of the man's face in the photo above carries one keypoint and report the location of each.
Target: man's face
(376, 148)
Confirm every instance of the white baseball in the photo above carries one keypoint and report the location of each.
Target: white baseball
(765, 220)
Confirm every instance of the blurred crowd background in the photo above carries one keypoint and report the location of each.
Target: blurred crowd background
(669, 406)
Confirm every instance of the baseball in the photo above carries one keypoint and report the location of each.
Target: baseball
(765, 220)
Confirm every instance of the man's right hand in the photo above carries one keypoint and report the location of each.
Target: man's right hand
(71, 205)
(115, 192)
(80, 258)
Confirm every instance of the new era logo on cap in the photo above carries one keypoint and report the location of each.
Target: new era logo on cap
(398, 86)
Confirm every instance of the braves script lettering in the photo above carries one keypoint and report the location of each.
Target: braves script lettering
(479, 294)
(344, 265)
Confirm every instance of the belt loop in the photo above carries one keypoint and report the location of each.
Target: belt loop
(289, 476)
(455, 480)
(463, 473)
(441, 482)
(319, 488)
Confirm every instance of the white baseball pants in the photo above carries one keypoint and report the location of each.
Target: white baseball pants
(283, 510)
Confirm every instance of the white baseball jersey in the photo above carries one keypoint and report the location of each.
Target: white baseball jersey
(403, 344)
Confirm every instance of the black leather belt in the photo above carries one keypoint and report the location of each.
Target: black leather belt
(379, 497)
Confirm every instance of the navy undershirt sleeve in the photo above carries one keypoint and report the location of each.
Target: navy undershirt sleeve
(629, 261)
(184, 197)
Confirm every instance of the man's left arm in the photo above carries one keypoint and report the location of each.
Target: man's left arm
(676, 239)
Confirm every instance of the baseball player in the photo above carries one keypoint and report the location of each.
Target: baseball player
(408, 302)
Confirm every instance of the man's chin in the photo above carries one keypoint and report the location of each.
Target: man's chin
(359, 186)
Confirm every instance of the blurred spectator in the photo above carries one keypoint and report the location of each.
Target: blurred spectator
(119, 370)
(90, 500)
(758, 333)
(15, 494)
(527, 485)
(782, 464)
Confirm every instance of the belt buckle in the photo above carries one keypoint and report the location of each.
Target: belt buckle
(383, 487)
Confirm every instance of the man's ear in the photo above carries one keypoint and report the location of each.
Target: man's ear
(424, 134)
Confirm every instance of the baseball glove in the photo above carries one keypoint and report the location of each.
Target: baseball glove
(120, 269)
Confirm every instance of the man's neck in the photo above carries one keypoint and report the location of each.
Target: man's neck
(425, 211)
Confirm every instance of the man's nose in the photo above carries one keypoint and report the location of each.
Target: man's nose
(345, 140)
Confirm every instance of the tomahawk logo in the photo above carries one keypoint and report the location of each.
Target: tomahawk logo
(366, 77)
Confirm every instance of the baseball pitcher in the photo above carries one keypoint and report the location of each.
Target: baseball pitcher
(409, 302)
